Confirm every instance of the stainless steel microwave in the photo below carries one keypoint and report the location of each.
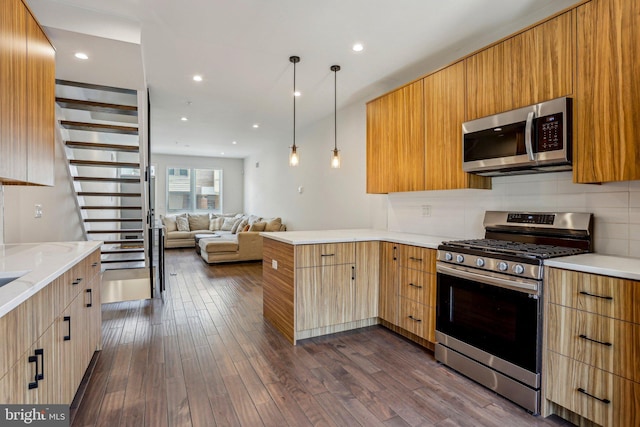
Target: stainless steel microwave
(532, 139)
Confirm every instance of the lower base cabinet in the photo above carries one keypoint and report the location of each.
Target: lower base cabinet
(50, 369)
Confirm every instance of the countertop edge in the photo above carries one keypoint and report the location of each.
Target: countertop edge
(604, 265)
(34, 281)
(358, 235)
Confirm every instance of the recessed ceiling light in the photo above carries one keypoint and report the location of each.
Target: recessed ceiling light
(81, 55)
(234, 142)
(222, 153)
(296, 93)
(197, 78)
(256, 126)
(184, 119)
(358, 47)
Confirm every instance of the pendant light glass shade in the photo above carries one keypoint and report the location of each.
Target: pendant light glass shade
(293, 154)
(335, 153)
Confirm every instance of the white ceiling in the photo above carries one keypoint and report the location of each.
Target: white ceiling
(242, 49)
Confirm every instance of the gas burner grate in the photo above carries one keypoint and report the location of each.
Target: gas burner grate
(516, 248)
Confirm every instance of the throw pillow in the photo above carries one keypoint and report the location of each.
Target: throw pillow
(182, 223)
(258, 226)
(169, 222)
(236, 226)
(198, 221)
(216, 223)
(273, 225)
(253, 218)
(246, 228)
(228, 224)
(241, 226)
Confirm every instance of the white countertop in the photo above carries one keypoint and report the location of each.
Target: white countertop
(355, 235)
(44, 263)
(607, 265)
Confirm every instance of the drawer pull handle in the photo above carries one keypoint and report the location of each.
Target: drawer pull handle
(596, 296)
(328, 255)
(34, 384)
(395, 250)
(584, 337)
(40, 352)
(413, 318)
(68, 319)
(353, 273)
(415, 286)
(412, 258)
(95, 264)
(581, 390)
(77, 281)
(90, 303)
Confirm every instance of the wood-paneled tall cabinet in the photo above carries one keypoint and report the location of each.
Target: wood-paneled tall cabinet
(608, 92)
(27, 104)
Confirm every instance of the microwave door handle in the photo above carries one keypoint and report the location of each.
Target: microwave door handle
(528, 136)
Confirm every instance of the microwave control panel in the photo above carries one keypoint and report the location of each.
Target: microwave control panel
(550, 133)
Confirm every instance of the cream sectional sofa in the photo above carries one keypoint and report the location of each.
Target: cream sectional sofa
(232, 237)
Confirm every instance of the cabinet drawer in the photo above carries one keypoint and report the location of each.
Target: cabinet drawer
(417, 318)
(417, 258)
(603, 295)
(418, 286)
(608, 344)
(325, 254)
(599, 396)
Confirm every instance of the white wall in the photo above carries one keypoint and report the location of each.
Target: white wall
(459, 214)
(331, 198)
(232, 178)
(60, 220)
(1, 214)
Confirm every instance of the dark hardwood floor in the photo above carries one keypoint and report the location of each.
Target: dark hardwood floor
(206, 357)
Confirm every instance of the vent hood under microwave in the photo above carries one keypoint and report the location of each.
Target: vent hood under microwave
(527, 140)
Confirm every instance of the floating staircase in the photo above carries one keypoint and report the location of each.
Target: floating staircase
(106, 164)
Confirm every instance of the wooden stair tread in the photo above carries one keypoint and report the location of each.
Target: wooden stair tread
(107, 194)
(99, 127)
(105, 147)
(102, 107)
(101, 163)
(104, 88)
(118, 231)
(126, 208)
(112, 220)
(110, 261)
(106, 179)
(123, 241)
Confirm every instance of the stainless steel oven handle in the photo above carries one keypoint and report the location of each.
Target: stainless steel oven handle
(528, 136)
(530, 288)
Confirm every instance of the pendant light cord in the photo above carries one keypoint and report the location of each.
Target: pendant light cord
(335, 69)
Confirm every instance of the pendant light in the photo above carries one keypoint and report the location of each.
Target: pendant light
(335, 156)
(293, 155)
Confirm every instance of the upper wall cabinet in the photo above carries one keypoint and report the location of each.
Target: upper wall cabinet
(395, 141)
(533, 66)
(27, 105)
(607, 107)
(444, 102)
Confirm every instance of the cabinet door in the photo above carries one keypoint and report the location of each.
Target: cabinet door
(543, 61)
(489, 75)
(325, 254)
(395, 141)
(444, 105)
(367, 280)
(607, 107)
(40, 105)
(13, 87)
(388, 299)
(324, 296)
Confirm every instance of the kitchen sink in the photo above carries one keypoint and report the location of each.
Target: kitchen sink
(7, 277)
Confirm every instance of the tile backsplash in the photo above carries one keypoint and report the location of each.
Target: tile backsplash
(458, 214)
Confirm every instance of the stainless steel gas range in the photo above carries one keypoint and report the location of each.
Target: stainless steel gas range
(489, 304)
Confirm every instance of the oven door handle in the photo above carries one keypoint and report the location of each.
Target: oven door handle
(530, 288)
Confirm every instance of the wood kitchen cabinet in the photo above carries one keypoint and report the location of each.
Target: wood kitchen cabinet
(367, 283)
(592, 347)
(395, 141)
(388, 297)
(70, 303)
(27, 107)
(533, 66)
(444, 111)
(607, 107)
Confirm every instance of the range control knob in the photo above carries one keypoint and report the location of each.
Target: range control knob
(448, 256)
(518, 269)
(503, 266)
(480, 262)
(460, 258)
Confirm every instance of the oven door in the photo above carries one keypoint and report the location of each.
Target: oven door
(501, 318)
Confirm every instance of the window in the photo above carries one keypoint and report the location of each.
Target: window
(192, 190)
